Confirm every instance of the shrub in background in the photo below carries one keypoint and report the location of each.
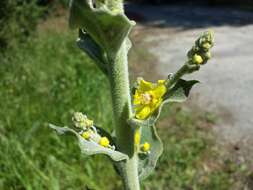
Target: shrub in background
(18, 20)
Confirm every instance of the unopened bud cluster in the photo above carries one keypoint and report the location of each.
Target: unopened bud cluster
(200, 52)
(89, 131)
(81, 121)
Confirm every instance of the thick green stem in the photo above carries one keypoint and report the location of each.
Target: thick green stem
(185, 69)
(122, 108)
(176, 76)
(120, 89)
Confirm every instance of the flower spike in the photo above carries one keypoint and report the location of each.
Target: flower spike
(200, 52)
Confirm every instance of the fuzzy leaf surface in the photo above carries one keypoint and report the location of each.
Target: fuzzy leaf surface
(147, 162)
(108, 29)
(89, 147)
(89, 46)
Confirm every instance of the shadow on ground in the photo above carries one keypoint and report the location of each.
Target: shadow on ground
(188, 17)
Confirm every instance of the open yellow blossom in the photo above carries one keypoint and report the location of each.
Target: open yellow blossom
(148, 97)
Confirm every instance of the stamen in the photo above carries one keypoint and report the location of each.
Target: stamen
(146, 98)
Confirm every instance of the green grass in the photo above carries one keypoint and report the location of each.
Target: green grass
(187, 143)
(45, 81)
(49, 78)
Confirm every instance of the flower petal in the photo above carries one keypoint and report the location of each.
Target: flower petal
(159, 91)
(161, 81)
(137, 98)
(145, 86)
(156, 105)
(143, 113)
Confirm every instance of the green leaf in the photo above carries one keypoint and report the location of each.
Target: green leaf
(89, 147)
(108, 29)
(87, 44)
(147, 162)
(178, 93)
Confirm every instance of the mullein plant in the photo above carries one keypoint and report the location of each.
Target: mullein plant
(134, 147)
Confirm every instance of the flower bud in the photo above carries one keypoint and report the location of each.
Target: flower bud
(206, 46)
(197, 59)
(81, 121)
(86, 135)
(208, 55)
(104, 142)
(145, 147)
(206, 40)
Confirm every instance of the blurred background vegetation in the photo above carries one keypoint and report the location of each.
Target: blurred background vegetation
(44, 78)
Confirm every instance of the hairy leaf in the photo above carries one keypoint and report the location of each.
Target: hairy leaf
(108, 29)
(147, 162)
(91, 148)
(89, 46)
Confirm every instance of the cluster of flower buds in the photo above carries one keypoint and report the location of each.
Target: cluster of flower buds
(81, 121)
(88, 130)
(200, 52)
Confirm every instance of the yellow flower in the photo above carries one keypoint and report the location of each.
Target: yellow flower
(148, 97)
(146, 147)
(104, 142)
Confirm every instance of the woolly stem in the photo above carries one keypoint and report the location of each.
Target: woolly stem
(176, 76)
(122, 112)
(122, 109)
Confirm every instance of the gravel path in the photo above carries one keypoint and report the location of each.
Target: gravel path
(227, 80)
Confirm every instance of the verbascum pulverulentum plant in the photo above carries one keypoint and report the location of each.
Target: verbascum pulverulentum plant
(134, 147)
